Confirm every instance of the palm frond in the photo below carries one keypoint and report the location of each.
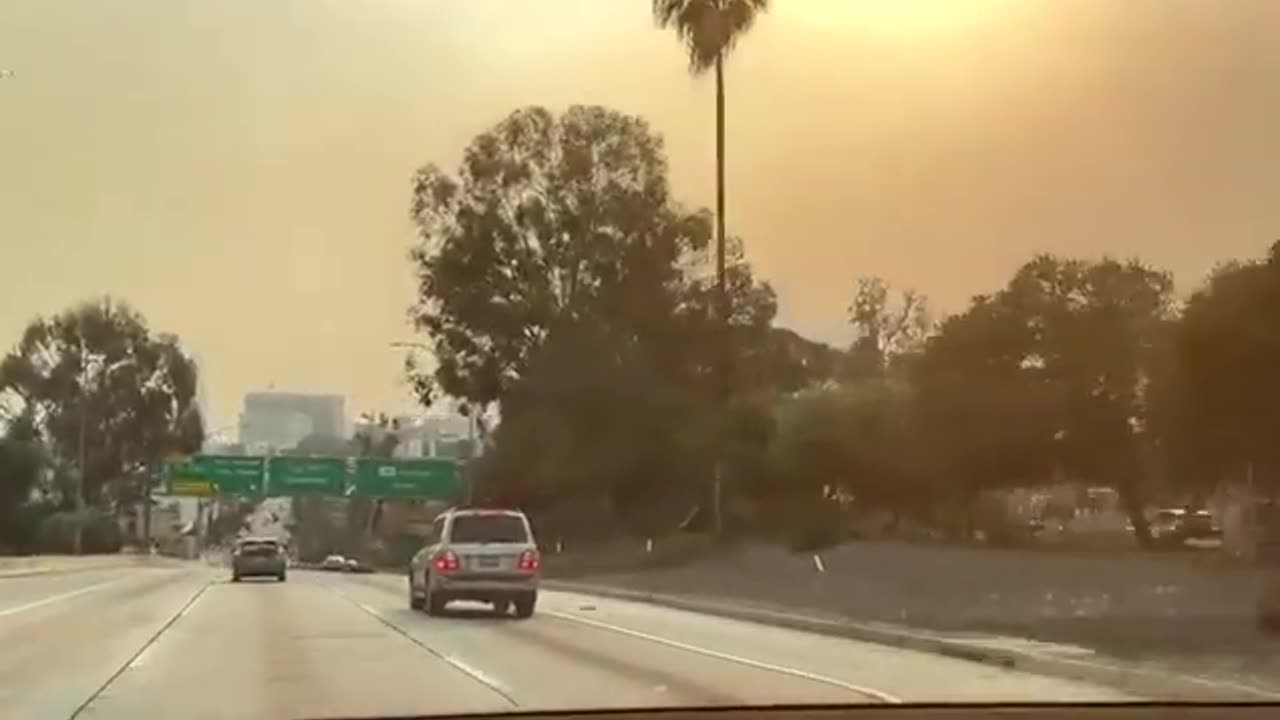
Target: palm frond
(708, 29)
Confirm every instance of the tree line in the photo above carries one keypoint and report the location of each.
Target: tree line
(565, 290)
(92, 401)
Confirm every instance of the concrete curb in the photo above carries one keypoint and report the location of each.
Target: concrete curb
(67, 569)
(1138, 681)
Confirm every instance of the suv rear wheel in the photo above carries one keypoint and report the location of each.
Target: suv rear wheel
(435, 603)
(525, 603)
(415, 602)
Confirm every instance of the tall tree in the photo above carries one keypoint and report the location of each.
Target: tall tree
(1099, 326)
(21, 463)
(1059, 363)
(987, 417)
(709, 31)
(551, 222)
(884, 328)
(105, 397)
(558, 278)
(1228, 348)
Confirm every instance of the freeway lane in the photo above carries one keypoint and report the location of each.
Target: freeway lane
(24, 593)
(331, 645)
(744, 662)
(62, 636)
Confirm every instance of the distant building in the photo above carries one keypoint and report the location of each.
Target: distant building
(281, 420)
(424, 435)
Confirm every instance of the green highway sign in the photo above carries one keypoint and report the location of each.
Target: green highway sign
(209, 475)
(417, 478)
(306, 476)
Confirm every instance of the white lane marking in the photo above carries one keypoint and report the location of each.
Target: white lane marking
(142, 657)
(141, 651)
(55, 598)
(869, 692)
(453, 660)
(191, 606)
(462, 667)
(481, 676)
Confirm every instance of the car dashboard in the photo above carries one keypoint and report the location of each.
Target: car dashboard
(959, 711)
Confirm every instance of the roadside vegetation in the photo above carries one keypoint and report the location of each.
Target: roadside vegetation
(91, 403)
(567, 292)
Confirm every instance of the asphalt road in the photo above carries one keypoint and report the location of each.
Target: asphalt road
(164, 642)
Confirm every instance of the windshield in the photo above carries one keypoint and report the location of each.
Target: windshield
(387, 357)
(488, 529)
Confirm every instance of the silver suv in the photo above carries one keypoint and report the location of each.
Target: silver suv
(486, 555)
(258, 556)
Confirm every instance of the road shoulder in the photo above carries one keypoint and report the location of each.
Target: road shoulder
(1076, 664)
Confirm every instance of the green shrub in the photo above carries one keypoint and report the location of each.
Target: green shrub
(805, 523)
(100, 532)
(20, 527)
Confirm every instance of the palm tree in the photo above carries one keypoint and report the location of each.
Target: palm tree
(709, 30)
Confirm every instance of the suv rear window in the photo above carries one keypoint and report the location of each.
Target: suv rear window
(259, 548)
(497, 528)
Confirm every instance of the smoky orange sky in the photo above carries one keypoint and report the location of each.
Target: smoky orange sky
(238, 169)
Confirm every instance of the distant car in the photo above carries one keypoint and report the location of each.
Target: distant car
(334, 562)
(255, 556)
(1174, 526)
(354, 565)
(485, 555)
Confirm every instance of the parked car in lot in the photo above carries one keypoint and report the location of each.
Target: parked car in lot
(1175, 526)
(258, 556)
(334, 562)
(479, 554)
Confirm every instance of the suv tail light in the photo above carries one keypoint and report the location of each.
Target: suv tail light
(447, 561)
(529, 561)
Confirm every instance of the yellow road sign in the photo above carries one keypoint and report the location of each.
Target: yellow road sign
(192, 487)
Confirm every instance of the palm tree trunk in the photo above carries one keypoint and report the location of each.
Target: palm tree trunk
(722, 299)
(722, 296)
